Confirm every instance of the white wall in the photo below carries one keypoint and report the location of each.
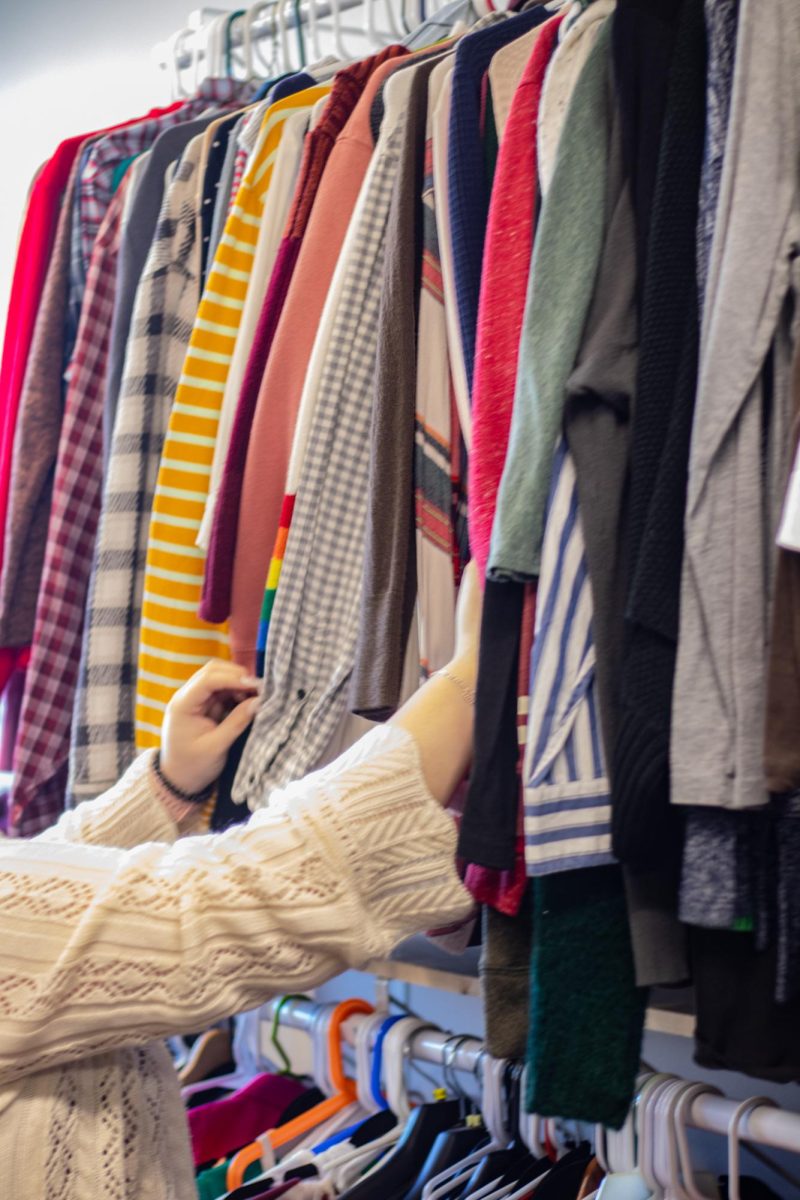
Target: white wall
(67, 68)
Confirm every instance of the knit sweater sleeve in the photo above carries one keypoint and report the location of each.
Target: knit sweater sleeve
(103, 948)
(136, 809)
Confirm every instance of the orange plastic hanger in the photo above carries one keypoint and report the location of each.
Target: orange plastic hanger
(344, 1095)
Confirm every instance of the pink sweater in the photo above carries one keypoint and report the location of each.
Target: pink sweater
(504, 284)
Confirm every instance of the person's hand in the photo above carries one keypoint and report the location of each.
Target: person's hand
(202, 721)
(468, 624)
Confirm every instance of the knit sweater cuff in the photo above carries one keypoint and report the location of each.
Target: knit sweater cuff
(374, 814)
(129, 813)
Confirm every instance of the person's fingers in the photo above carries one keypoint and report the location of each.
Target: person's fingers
(216, 676)
(222, 738)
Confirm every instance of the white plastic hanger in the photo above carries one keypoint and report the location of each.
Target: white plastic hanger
(618, 1146)
(338, 44)
(180, 43)
(248, 40)
(313, 29)
(371, 33)
(283, 35)
(648, 1132)
(367, 1032)
(530, 1128)
(734, 1126)
(396, 28)
(257, 63)
(667, 1157)
(680, 1116)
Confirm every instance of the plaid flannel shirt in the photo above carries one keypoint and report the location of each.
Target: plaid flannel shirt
(167, 297)
(314, 627)
(42, 747)
(97, 177)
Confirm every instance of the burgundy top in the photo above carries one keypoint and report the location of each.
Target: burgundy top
(219, 1128)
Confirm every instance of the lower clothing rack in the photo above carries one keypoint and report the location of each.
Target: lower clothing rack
(763, 1124)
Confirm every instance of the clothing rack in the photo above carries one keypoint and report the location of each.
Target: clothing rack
(765, 1125)
(166, 53)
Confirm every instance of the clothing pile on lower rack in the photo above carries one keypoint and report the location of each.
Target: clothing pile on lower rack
(526, 294)
(259, 1134)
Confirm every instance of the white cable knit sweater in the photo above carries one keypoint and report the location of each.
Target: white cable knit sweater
(103, 951)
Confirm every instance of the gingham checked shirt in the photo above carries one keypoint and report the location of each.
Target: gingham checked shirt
(42, 746)
(314, 626)
(165, 307)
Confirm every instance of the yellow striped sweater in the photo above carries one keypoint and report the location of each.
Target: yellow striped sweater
(174, 642)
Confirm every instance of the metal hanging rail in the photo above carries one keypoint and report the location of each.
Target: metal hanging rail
(264, 27)
(765, 1125)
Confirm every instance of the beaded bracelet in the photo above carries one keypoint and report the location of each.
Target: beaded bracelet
(187, 797)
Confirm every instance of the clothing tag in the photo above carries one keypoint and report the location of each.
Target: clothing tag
(789, 531)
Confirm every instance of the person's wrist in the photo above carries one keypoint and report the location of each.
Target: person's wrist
(171, 780)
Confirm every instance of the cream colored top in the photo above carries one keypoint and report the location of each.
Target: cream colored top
(105, 950)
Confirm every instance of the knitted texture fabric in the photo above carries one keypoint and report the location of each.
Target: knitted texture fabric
(585, 1033)
(504, 282)
(559, 295)
(644, 38)
(644, 824)
(505, 978)
(107, 949)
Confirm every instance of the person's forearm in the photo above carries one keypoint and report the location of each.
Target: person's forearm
(129, 813)
(440, 718)
(138, 808)
(104, 948)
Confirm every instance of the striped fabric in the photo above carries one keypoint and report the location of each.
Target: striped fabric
(173, 639)
(273, 578)
(435, 455)
(103, 745)
(567, 793)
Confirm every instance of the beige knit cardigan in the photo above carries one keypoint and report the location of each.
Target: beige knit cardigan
(104, 951)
